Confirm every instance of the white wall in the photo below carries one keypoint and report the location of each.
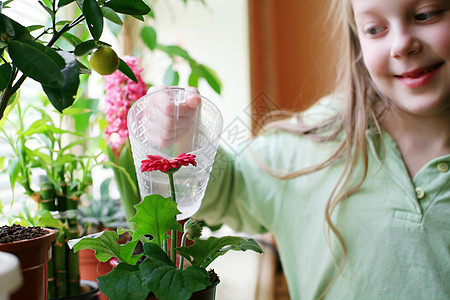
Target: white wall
(215, 34)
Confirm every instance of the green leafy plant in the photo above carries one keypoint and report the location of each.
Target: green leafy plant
(156, 269)
(57, 66)
(41, 145)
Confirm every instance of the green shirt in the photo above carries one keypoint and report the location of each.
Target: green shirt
(396, 230)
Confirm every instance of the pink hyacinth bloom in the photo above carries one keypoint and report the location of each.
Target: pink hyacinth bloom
(121, 93)
(156, 162)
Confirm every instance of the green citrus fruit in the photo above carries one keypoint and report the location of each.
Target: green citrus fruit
(104, 61)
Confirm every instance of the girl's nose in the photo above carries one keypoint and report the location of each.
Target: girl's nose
(404, 44)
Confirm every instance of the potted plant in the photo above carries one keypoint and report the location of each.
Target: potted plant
(158, 271)
(31, 246)
(39, 52)
(45, 147)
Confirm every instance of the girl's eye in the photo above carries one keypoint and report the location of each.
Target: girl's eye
(425, 16)
(373, 30)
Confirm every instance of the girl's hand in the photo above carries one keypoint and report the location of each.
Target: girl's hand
(169, 127)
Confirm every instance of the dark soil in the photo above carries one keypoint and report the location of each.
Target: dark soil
(17, 232)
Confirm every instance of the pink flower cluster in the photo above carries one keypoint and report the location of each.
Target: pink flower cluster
(121, 93)
(156, 162)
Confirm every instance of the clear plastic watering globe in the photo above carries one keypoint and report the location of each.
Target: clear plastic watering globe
(168, 136)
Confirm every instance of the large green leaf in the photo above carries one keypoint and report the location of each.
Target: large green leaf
(203, 252)
(135, 7)
(124, 282)
(64, 96)
(5, 75)
(13, 29)
(165, 280)
(106, 245)
(156, 216)
(94, 18)
(38, 62)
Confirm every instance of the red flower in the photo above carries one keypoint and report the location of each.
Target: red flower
(184, 159)
(156, 162)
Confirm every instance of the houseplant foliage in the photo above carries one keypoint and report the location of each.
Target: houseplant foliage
(33, 51)
(47, 148)
(157, 270)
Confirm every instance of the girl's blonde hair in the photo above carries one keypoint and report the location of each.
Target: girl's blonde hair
(363, 108)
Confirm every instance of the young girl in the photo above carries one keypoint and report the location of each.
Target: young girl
(359, 203)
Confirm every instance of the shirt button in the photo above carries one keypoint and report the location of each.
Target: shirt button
(442, 167)
(420, 193)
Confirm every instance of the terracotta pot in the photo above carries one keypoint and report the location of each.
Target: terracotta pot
(91, 268)
(33, 255)
(89, 289)
(207, 294)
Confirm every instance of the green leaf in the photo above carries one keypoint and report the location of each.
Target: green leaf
(94, 18)
(38, 62)
(140, 18)
(13, 29)
(72, 39)
(126, 70)
(62, 3)
(106, 245)
(48, 220)
(34, 27)
(48, 10)
(124, 282)
(174, 50)
(111, 15)
(127, 162)
(148, 35)
(82, 120)
(203, 252)
(64, 97)
(171, 77)
(155, 216)
(85, 47)
(13, 170)
(155, 253)
(211, 77)
(135, 7)
(168, 282)
(5, 75)
(193, 78)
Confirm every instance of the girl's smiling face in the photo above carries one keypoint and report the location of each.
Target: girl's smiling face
(406, 49)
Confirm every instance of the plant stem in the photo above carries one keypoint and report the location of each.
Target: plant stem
(183, 242)
(173, 233)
